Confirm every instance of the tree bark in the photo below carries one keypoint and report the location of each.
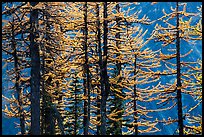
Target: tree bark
(179, 96)
(100, 64)
(86, 68)
(35, 75)
(135, 97)
(104, 94)
(43, 93)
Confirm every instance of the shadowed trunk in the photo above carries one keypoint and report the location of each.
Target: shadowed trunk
(86, 68)
(104, 94)
(100, 65)
(179, 97)
(135, 97)
(35, 75)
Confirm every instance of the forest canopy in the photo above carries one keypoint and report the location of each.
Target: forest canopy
(102, 68)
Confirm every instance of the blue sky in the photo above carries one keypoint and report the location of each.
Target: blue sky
(153, 12)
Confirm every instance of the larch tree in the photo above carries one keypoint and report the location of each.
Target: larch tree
(76, 41)
(105, 91)
(116, 128)
(17, 31)
(13, 50)
(176, 65)
(86, 68)
(49, 70)
(122, 51)
(52, 62)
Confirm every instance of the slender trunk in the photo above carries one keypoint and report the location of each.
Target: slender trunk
(100, 64)
(18, 90)
(57, 116)
(49, 118)
(43, 93)
(135, 90)
(118, 101)
(75, 105)
(104, 94)
(135, 97)
(43, 89)
(87, 87)
(22, 117)
(43, 86)
(179, 96)
(60, 103)
(35, 75)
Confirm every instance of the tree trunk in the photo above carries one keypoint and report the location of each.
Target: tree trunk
(43, 93)
(104, 94)
(86, 68)
(35, 75)
(179, 96)
(100, 65)
(135, 97)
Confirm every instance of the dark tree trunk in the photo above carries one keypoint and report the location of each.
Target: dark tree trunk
(104, 94)
(17, 86)
(35, 75)
(179, 96)
(49, 119)
(43, 93)
(135, 97)
(86, 68)
(43, 89)
(100, 65)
